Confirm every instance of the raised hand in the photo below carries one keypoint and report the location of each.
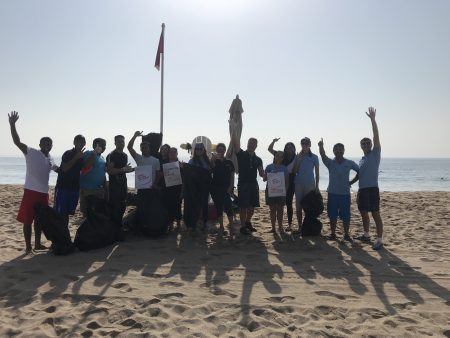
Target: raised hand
(275, 140)
(13, 117)
(320, 144)
(137, 133)
(372, 112)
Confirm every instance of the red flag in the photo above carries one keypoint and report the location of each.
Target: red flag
(160, 50)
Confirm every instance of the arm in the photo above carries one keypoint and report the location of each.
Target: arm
(270, 149)
(355, 179)
(376, 137)
(131, 144)
(13, 117)
(322, 152)
(316, 169)
(231, 187)
(298, 160)
(114, 171)
(65, 167)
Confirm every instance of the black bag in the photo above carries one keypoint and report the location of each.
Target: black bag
(152, 218)
(98, 229)
(312, 205)
(55, 229)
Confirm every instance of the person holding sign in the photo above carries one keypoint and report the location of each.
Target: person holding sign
(338, 188)
(148, 169)
(222, 185)
(277, 177)
(172, 192)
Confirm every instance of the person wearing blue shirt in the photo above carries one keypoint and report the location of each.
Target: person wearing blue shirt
(338, 188)
(307, 176)
(369, 193)
(92, 177)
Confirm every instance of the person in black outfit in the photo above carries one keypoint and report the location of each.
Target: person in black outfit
(117, 167)
(222, 185)
(289, 161)
(248, 190)
(172, 196)
(67, 188)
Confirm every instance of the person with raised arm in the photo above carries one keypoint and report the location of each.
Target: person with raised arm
(338, 188)
(289, 161)
(369, 192)
(39, 163)
(67, 189)
(248, 190)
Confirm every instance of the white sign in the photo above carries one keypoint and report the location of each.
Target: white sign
(276, 185)
(143, 176)
(172, 174)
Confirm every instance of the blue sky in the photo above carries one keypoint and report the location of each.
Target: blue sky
(301, 68)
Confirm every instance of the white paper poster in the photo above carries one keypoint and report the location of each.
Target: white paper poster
(276, 185)
(143, 176)
(172, 174)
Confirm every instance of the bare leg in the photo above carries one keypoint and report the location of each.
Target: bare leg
(346, 227)
(27, 236)
(280, 210)
(37, 237)
(273, 216)
(378, 222)
(299, 217)
(365, 221)
(221, 228)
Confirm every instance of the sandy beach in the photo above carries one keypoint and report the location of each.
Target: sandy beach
(264, 285)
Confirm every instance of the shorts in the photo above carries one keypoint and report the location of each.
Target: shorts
(301, 190)
(369, 199)
(222, 200)
(66, 201)
(248, 195)
(279, 200)
(29, 200)
(100, 193)
(339, 206)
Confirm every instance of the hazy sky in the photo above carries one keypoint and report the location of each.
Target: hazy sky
(302, 68)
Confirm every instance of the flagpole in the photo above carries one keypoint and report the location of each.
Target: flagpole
(162, 86)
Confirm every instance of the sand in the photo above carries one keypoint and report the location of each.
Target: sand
(260, 286)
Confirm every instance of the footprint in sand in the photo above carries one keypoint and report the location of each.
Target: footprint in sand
(130, 322)
(93, 325)
(403, 306)
(335, 295)
(50, 309)
(124, 287)
(170, 295)
(174, 284)
(281, 299)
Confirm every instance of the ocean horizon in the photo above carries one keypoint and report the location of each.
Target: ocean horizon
(396, 174)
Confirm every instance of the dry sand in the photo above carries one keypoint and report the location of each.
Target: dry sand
(259, 286)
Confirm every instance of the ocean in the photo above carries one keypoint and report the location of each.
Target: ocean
(396, 174)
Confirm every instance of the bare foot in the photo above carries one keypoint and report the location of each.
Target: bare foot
(40, 247)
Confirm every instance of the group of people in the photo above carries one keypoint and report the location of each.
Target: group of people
(82, 173)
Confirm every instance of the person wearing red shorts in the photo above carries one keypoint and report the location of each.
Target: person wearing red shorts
(38, 164)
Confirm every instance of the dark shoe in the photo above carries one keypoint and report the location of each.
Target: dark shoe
(332, 237)
(362, 238)
(347, 238)
(245, 231)
(378, 245)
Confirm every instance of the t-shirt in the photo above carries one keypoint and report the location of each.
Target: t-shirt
(70, 179)
(339, 175)
(221, 173)
(368, 169)
(248, 166)
(199, 163)
(272, 168)
(120, 160)
(95, 178)
(38, 170)
(150, 160)
(305, 172)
